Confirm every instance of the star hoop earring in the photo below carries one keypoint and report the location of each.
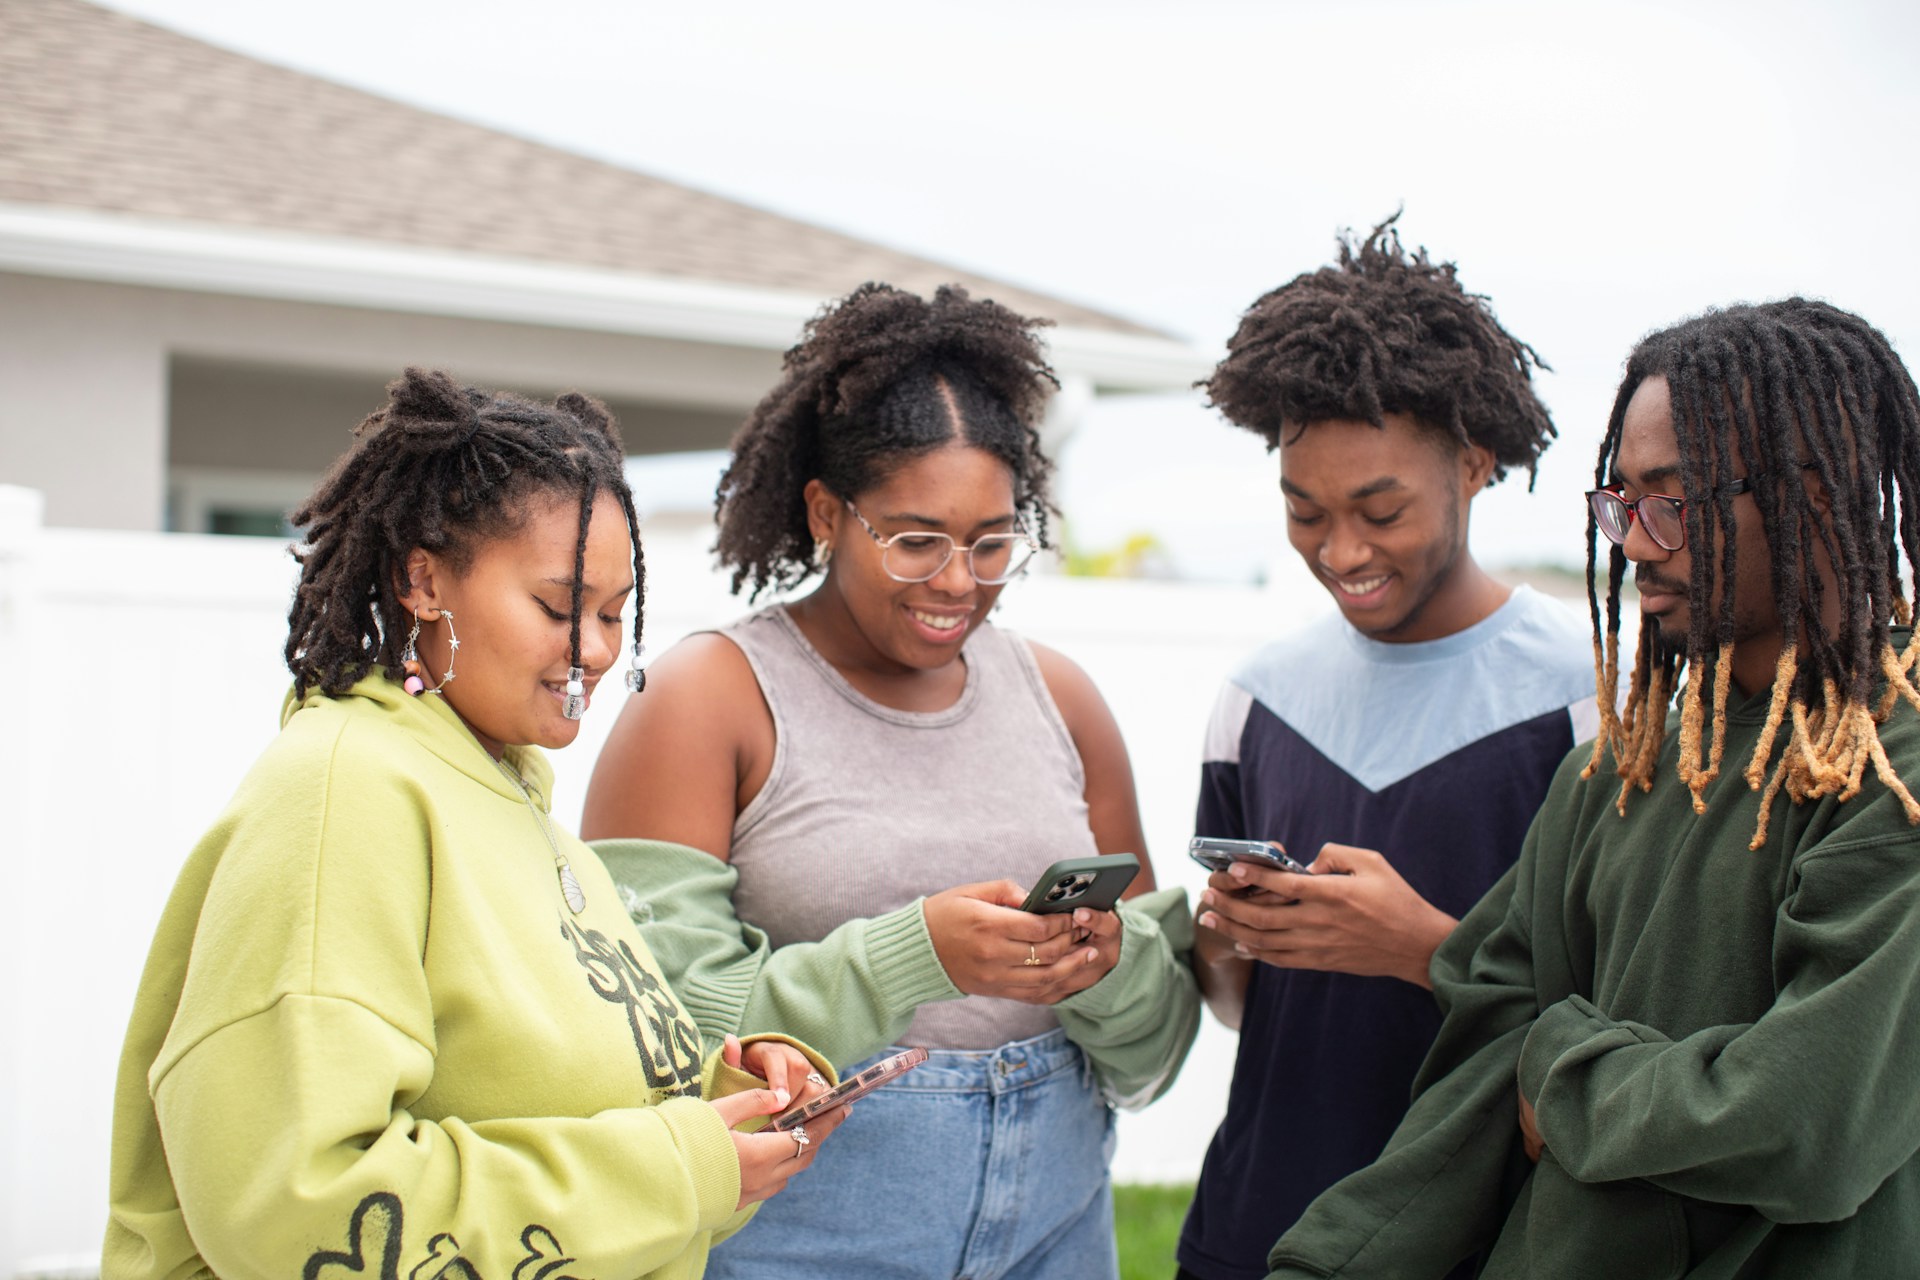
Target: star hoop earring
(416, 681)
(453, 650)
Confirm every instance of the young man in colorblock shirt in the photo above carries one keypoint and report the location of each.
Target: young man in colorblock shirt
(1400, 747)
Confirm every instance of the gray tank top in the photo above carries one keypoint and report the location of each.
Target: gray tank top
(867, 808)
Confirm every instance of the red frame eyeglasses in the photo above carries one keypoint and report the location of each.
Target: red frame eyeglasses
(1662, 515)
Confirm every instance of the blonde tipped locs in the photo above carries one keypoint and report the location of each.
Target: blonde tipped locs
(443, 468)
(1818, 410)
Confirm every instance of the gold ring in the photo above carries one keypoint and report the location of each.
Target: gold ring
(1032, 957)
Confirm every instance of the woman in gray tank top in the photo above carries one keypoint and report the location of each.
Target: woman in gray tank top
(826, 817)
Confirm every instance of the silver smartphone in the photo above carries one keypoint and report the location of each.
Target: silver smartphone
(1217, 854)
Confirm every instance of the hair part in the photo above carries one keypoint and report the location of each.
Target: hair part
(440, 468)
(1784, 388)
(878, 378)
(1383, 332)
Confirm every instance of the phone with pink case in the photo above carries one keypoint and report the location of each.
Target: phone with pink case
(854, 1086)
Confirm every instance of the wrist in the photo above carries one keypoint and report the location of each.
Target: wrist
(1213, 948)
(1434, 930)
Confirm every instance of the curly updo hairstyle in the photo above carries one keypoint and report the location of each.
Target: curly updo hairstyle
(879, 378)
(1380, 332)
(443, 468)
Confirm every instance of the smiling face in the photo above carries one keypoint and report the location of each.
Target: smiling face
(1648, 461)
(957, 490)
(510, 610)
(1380, 516)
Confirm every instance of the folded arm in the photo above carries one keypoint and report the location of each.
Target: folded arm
(1802, 1113)
(1436, 1194)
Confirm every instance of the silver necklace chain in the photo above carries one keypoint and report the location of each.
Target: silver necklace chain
(569, 883)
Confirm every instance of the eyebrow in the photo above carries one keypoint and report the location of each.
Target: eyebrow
(1372, 488)
(567, 583)
(908, 517)
(1652, 475)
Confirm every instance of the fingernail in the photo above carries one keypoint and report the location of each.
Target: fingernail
(1241, 948)
(1092, 955)
(1209, 920)
(780, 1096)
(1206, 897)
(1082, 916)
(1238, 871)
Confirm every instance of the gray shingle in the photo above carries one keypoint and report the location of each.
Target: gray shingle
(104, 112)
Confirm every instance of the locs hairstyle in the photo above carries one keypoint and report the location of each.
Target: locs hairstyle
(1789, 388)
(444, 468)
(878, 378)
(1380, 332)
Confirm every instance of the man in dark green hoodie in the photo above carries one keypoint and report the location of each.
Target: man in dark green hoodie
(1682, 1036)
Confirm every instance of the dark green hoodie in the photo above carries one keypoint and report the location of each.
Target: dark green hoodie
(1722, 1047)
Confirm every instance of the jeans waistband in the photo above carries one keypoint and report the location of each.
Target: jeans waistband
(1012, 1066)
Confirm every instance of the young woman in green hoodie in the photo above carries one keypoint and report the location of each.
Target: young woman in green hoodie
(394, 1020)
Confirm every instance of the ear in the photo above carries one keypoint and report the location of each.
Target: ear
(1818, 495)
(1476, 468)
(426, 582)
(824, 509)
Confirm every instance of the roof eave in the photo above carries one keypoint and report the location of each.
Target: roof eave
(246, 262)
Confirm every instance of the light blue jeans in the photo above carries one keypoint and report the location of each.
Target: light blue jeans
(988, 1164)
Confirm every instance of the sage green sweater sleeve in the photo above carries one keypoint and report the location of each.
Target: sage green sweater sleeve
(855, 991)
(849, 995)
(1137, 1022)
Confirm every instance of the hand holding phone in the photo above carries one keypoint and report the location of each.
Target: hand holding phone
(1217, 854)
(1095, 883)
(856, 1086)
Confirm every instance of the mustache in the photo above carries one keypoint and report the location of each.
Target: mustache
(1652, 583)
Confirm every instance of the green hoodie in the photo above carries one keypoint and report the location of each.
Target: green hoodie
(1722, 1047)
(372, 1037)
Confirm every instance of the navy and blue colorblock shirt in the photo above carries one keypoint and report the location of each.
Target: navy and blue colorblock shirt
(1436, 754)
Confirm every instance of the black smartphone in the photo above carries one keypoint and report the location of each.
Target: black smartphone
(852, 1087)
(1095, 883)
(1217, 854)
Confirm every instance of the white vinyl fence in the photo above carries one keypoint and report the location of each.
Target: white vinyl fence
(143, 674)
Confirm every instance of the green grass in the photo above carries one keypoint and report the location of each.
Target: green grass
(1147, 1223)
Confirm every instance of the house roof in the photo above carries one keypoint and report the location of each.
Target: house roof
(101, 112)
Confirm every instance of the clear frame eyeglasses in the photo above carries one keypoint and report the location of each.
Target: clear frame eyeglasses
(919, 556)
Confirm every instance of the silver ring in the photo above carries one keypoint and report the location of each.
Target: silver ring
(800, 1140)
(814, 1077)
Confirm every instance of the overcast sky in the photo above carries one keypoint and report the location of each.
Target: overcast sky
(1597, 169)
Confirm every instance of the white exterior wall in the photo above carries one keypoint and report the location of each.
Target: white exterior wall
(144, 675)
(71, 360)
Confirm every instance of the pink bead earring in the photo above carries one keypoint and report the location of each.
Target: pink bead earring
(410, 662)
(416, 683)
